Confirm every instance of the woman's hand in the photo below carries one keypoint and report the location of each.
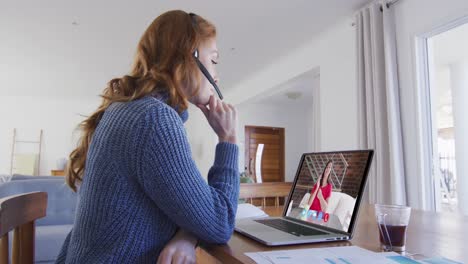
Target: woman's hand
(317, 188)
(222, 117)
(323, 202)
(179, 250)
(320, 195)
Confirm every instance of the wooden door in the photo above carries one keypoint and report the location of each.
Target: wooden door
(272, 163)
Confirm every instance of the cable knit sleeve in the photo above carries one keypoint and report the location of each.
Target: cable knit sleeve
(169, 175)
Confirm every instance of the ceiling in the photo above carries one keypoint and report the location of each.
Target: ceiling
(296, 92)
(69, 47)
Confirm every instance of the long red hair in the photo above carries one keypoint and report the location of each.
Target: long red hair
(163, 64)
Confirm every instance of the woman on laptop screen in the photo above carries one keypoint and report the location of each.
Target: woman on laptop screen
(321, 191)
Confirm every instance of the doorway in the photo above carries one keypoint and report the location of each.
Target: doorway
(443, 71)
(264, 153)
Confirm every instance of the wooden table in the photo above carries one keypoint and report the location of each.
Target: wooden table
(429, 234)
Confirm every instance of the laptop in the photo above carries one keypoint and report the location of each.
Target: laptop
(323, 203)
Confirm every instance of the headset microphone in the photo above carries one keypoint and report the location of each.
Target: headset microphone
(207, 74)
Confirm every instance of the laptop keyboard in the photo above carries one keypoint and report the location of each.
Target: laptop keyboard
(291, 228)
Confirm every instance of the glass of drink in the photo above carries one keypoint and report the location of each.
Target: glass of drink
(392, 221)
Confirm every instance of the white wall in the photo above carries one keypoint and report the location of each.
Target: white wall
(414, 18)
(294, 119)
(57, 116)
(459, 81)
(334, 52)
(443, 97)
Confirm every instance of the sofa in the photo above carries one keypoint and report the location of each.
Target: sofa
(339, 204)
(342, 205)
(51, 230)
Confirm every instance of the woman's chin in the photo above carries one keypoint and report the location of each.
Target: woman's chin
(199, 101)
(205, 101)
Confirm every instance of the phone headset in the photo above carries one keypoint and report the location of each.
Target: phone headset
(200, 65)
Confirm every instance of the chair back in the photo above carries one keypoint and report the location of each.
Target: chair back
(18, 213)
(60, 198)
(265, 190)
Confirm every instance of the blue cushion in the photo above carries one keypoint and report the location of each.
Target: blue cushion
(49, 241)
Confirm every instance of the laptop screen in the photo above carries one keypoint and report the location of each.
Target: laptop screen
(328, 188)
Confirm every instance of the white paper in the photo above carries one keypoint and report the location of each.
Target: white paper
(247, 210)
(329, 255)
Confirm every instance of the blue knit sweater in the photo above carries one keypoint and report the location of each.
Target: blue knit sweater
(141, 184)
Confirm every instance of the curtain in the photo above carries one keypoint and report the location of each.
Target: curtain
(379, 115)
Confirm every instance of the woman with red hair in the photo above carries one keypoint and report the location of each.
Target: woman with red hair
(141, 197)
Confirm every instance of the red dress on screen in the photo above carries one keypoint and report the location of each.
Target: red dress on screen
(326, 192)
